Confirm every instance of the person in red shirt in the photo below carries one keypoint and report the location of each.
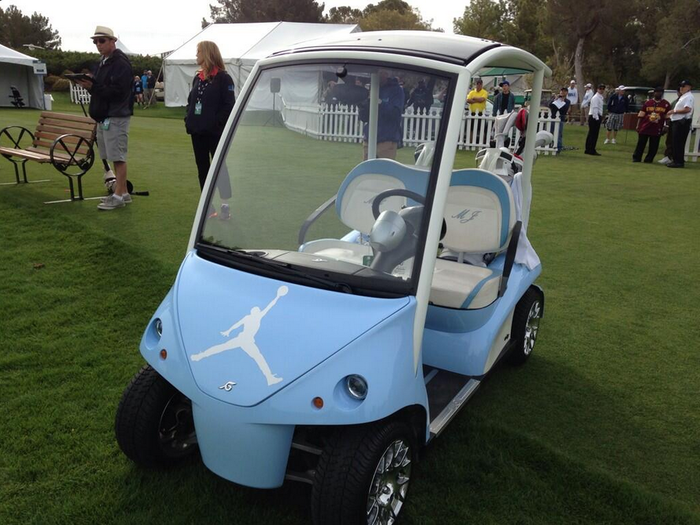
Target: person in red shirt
(650, 125)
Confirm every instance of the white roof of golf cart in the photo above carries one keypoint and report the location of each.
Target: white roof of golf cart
(454, 49)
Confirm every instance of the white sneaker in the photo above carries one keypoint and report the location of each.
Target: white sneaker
(614, 141)
(665, 161)
(607, 141)
(112, 202)
(126, 198)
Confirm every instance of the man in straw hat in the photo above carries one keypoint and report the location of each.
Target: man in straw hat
(111, 106)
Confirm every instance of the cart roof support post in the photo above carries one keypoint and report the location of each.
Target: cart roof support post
(373, 117)
(529, 153)
(436, 215)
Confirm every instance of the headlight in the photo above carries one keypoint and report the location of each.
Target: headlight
(357, 386)
(159, 328)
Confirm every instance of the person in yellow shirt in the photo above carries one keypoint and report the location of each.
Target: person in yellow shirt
(477, 98)
(477, 105)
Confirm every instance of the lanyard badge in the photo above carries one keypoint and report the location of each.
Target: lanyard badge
(198, 108)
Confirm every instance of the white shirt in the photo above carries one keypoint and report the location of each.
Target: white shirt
(587, 98)
(596, 106)
(686, 101)
(572, 95)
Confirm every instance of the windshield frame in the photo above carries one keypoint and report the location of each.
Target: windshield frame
(379, 288)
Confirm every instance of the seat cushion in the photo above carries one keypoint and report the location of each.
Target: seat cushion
(459, 285)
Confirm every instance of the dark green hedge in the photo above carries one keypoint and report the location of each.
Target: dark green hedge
(59, 61)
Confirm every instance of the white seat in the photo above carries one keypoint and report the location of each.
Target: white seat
(479, 217)
(463, 286)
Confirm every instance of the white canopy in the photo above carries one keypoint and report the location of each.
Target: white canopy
(241, 45)
(17, 70)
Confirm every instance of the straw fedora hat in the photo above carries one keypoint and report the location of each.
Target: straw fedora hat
(104, 32)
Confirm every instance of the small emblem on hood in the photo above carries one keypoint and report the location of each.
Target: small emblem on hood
(228, 386)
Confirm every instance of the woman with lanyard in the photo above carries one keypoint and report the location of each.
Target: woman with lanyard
(209, 105)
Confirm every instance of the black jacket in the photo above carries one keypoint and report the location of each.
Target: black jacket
(217, 102)
(111, 92)
(562, 110)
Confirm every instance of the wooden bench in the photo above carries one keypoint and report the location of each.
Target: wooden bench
(64, 141)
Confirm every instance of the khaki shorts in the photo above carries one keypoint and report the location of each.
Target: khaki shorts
(113, 142)
(385, 150)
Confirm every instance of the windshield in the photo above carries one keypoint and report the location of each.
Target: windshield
(325, 176)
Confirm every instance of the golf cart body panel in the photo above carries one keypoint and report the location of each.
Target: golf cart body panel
(249, 444)
(455, 339)
(277, 315)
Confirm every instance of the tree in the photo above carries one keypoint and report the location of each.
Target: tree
(228, 11)
(386, 15)
(573, 28)
(389, 19)
(343, 15)
(17, 29)
(671, 40)
(485, 19)
(391, 15)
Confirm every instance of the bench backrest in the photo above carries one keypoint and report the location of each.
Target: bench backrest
(52, 125)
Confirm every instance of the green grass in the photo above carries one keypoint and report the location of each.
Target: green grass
(601, 425)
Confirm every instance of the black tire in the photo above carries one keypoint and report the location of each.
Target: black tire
(345, 476)
(526, 318)
(154, 425)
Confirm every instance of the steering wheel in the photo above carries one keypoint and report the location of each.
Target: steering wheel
(396, 192)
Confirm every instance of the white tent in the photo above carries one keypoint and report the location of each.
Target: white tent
(124, 49)
(241, 45)
(17, 70)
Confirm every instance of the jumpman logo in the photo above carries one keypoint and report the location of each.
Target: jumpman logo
(246, 339)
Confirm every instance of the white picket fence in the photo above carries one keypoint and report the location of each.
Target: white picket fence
(341, 123)
(692, 145)
(79, 94)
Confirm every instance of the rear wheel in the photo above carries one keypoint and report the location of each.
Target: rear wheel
(154, 424)
(526, 325)
(363, 475)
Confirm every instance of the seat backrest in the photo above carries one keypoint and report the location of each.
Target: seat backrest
(479, 212)
(367, 180)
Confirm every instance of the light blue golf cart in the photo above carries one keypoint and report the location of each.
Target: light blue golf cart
(361, 289)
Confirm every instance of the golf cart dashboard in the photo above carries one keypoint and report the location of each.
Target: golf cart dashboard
(309, 270)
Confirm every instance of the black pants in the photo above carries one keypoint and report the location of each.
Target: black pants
(592, 137)
(642, 143)
(668, 152)
(681, 128)
(204, 148)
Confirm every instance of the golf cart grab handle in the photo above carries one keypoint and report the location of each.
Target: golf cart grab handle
(510, 257)
(312, 218)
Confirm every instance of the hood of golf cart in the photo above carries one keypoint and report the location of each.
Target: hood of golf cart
(246, 336)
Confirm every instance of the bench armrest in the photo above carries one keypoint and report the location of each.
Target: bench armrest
(16, 140)
(71, 156)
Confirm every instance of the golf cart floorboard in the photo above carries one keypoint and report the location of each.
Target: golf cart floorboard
(447, 394)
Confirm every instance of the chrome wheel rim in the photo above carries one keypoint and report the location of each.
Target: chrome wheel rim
(176, 433)
(532, 326)
(387, 492)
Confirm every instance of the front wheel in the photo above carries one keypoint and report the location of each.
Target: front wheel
(526, 325)
(154, 424)
(363, 475)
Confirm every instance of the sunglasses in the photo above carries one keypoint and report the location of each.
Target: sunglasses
(99, 41)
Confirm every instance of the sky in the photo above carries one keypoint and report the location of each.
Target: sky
(154, 27)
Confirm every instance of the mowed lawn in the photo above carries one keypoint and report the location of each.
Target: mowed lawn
(602, 425)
